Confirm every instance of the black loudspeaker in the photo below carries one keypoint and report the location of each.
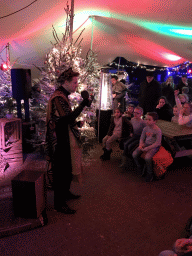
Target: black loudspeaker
(21, 83)
(29, 195)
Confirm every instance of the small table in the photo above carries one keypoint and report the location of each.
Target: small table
(173, 133)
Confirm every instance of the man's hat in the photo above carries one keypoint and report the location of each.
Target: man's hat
(150, 73)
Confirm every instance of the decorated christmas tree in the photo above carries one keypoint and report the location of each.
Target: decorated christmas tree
(7, 103)
(64, 54)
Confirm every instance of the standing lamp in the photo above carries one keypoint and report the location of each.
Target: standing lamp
(105, 104)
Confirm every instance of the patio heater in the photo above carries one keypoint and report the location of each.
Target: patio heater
(105, 104)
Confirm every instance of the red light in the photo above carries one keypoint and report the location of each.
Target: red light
(189, 71)
(4, 67)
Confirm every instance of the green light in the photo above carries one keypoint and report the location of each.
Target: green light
(169, 30)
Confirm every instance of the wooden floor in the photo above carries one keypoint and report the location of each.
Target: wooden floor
(119, 214)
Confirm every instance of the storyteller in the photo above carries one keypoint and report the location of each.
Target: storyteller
(63, 140)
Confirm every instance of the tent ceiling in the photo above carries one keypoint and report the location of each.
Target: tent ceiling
(153, 32)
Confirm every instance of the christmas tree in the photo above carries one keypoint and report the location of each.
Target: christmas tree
(65, 54)
(7, 103)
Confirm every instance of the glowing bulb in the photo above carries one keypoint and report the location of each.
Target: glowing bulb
(171, 57)
(55, 50)
(80, 20)
(4, 67)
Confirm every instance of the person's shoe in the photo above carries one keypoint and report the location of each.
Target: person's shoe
(106, 155)
(124, 162)
(65, 209)
(72, 196)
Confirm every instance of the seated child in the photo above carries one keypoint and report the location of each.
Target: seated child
(129, 112)
(119, 129)
(164, 109)
(175, 114)
(133, 141)
(149, 144)
(184, 118)
(182, 97)
(185, 111)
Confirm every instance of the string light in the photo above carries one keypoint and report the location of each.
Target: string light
(4, 67)
(18, 10)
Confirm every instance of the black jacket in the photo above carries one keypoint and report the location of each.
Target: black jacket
(165, 113)
(149, 93)
(168, 92)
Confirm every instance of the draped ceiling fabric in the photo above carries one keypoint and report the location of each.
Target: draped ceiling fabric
(150, 32)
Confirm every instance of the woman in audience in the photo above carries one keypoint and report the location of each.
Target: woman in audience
(164, 109)
(133, 141)
(185, 118)
(185, 115)
(185, 111)
(168, 90)
(120, 128)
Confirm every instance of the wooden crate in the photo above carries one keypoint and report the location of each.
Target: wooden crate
(29, 195)
(11, 140)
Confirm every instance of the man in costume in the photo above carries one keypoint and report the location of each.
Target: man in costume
(63, 140)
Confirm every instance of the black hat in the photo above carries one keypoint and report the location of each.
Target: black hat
(150, 73)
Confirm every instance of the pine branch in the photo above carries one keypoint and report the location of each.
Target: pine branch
(79, 36)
